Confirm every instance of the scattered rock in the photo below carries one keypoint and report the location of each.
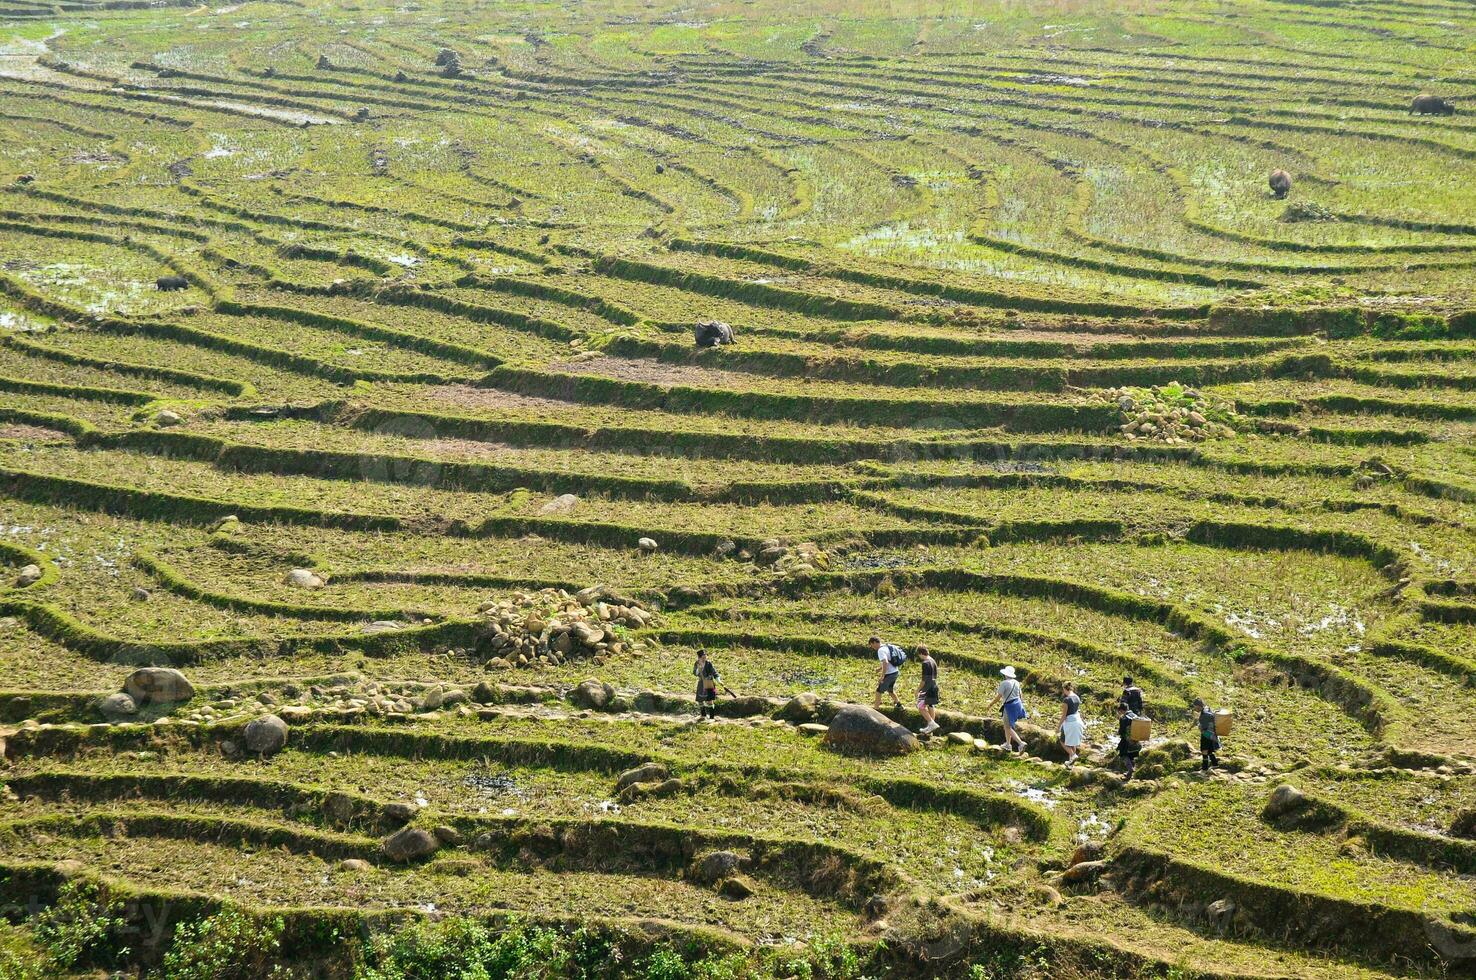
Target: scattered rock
(861, 729)
(380, 626)
(339, 809)
(400, 813)
(410, 844)
(639, 791)
(1220, 913)
(1048, 896)
(167, 418)
(736, 888)
(448, 835)
(1084, 872)
(1171, 413)
(1464, 824)
(647, 545)
(712, 333)
(799, 709)
(171, 284)
(354, 865)
(714, 866)
(118, 706)
(1084, 853)
(1284, 799)
(141, 595)
(552, 627)
(266, 735)
(29, 575)
(304, 578)
(158, 685)
(592, 694)
(651, 772)
(961, 738)
(562, 504)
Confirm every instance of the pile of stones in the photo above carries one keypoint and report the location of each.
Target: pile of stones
(552, 626)
(1171, 413)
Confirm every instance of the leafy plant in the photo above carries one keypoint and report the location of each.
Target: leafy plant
(83, 928)
(229, 945)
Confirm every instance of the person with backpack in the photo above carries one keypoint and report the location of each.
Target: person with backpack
(1209, 739)
(890, 658)
(1012, 708)
(1127, 747)
(927, 691)
(1072, 727)
(1132, 696)
(707, 685)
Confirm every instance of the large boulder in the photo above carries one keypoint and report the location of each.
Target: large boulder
(304, 578)
(1285, 799)
(799, 709)
(863, 730)
(266, 735)
(714, 866)
(410, 844)
(117, 705)
(650, 772)
(592, 694)
(158, 685)
(562, 504)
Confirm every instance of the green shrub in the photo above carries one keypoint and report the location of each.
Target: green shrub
(83, 928)
(229, 945)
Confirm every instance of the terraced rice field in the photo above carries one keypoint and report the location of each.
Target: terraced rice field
(439, 265)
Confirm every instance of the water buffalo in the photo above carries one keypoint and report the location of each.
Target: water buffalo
(1431, 105)
(1280, 182)
(712, 333)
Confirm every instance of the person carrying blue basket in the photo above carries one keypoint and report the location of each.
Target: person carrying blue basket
(1012, 709)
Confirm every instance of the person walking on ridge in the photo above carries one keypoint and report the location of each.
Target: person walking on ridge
(1012, 708)
(1132, 696)
(1127, 746)
(1072, 727)
(927, 691)
(889, 658)
(707, 685)
(1209, 739)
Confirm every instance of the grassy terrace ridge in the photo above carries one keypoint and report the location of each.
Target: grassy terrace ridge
(347, 366)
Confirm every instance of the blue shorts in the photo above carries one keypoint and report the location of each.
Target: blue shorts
(1014, 712)
(887, 683)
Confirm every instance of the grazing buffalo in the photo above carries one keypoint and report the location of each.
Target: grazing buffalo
(712, 333)
(1281, 183)
(1431, 105)
(169, 284)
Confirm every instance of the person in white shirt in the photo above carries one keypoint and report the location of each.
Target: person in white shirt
(1012, 708)
(889, 658)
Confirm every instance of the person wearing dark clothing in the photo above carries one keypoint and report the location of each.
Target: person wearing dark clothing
(1132, 696)
(1127, 748)
(927, 691)
(1209, 739)
(707, 685)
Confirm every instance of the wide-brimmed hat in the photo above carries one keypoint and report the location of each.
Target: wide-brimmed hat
(1008, 672)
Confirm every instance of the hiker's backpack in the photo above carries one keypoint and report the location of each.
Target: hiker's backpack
(895, 655)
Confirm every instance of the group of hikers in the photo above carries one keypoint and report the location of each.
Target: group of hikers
(1008, 696)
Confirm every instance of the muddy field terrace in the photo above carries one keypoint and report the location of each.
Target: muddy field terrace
(365, 500)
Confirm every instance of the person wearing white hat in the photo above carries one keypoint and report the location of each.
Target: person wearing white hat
(1012, 708)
